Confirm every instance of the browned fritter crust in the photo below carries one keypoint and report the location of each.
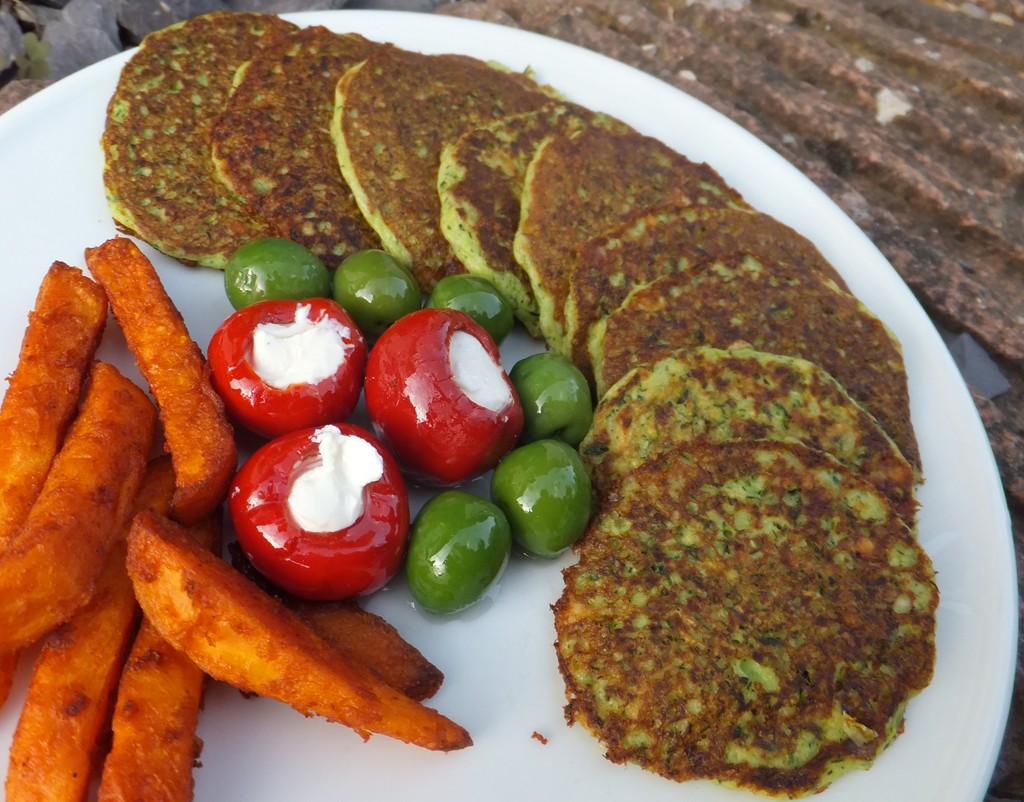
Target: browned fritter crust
(748, 613)
(668, 239)
(774, 308)
(395, 113)
(272, 142)
(159, 175)
(741, 394)
(582, 183)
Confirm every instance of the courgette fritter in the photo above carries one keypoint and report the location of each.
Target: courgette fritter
(272, 143)
(581, 183)
(159, 175)
(749, 613)
(480, 181)
(394, 112)
(716, 395)
(666, 240)
(771, 307)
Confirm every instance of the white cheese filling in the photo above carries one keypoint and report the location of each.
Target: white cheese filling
(328, 495)
(300, 352)
(476, 373)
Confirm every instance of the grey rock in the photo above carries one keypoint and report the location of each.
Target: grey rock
(396, 5)
(977, 368)
(140, 17)
(11, 43)
(85, 33)
(52, 3)
(285, 6)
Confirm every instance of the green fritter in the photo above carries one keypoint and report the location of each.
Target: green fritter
(479, 182)
(159, 176)
(771, 307)
(394, 113)
(719, 395)
(666, 240)
(583, 182)
(748, 613)
(272, 143)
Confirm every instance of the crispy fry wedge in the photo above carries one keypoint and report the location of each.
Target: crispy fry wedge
(238, 634)
(199, 437)
(362, 635)
(51, 565)
(154, 745)
(373, 641)
(70, 694)
(60, 341)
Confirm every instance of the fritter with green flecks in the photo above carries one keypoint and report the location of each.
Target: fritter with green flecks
(666, 240)
(272, 143)
(748, 613)
(159, 176)
(716, 395)
(771, 307)
(480, 181)
(394, 113)
(583, 182)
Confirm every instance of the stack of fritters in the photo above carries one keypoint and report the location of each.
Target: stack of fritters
(750, 604)
(159, 174)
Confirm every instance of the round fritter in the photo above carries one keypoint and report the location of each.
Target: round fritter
(479, 182)
(748, 613)
(741, 394)
(272, 143)
(771, 307)
(394, 113)
(159, 175)
(581, 183)
(665, 240)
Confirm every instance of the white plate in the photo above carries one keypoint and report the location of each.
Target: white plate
(501, 677)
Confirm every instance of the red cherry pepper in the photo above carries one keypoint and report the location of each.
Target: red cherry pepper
(438, 433)
(274, 410)
(277, 493)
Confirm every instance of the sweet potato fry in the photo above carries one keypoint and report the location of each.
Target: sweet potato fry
(373, 641)
(154, 745)
(70, 693)
(199, 437)
(60, 341)
(240, 635)
(50, 567)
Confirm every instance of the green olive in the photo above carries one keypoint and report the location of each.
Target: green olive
(270, 268)
(458, 547)
(555, 397)
(545, 493)
(376, 290)
(478, 298)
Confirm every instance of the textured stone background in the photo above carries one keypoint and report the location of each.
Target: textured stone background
(908, 113)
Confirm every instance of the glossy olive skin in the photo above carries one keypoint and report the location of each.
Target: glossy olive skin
(273, 268)
(376, 290)
(478, 298)
(544, 490)
(458, 547)
(555, 397)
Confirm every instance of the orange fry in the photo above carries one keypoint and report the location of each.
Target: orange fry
(199, 437)
(70, 693)
(373, 641)
(51, 565)
(154, 745)
(224, 623)
(63, 332)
